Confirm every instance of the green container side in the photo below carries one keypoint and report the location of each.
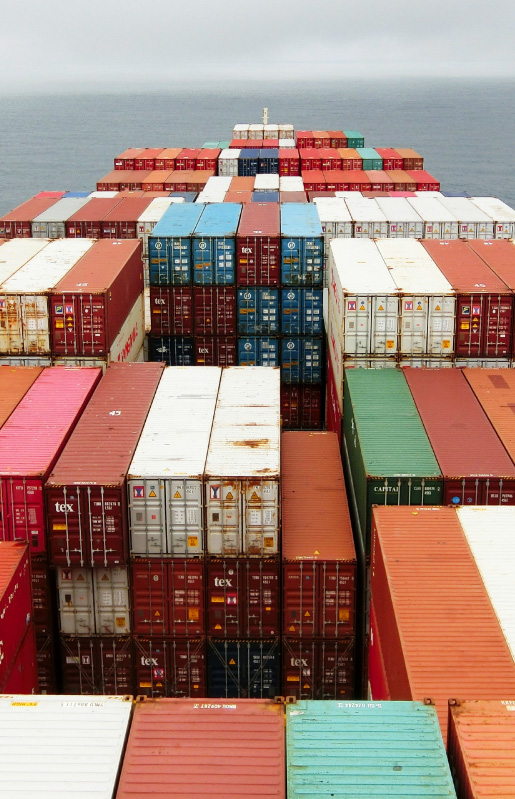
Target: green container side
(211, 145)
(224, 145)
(371, 158)
(374, 750)
(354, 138)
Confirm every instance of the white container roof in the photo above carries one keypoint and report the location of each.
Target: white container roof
(430, 209)
(229, 154)
(332, 209)
(155, 210)
(397, 209)
(412, 268)
(495, 208)
(464, 209)
(62, 210)
(266, 182)
(291, 183)
(361, 268)
(49, 266)
(17, 252)
(364, 209)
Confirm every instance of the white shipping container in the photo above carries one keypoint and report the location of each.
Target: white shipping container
(50, 224)
(256, 131)
(287, 142)
(286, 132)
(240, 131)
(270, 131)
(215, 189)
(428, 302)
(473, 223)
(502, 215)
(24, 307)
(104, 194)
(228, 162)
(266, 182)
(403, 220)
(165, 478)
(439, 222)
(16, 253)
(62, 746)
(369, 220)
(291, 183)
(243, 465)
(93, 601)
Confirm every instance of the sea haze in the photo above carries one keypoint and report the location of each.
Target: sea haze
(463, 128)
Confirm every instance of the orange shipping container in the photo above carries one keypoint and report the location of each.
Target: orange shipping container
(15, 381)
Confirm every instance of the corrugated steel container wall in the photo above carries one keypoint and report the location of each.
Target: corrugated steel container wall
(258, 245)
(473, 223)
(391, 460)
(215, 351)
(172, 350)
(301, 407)
(57, 735)
(318, 669)
(258, 311)
(434, 615)
(228, 162)
(93, 601)
(500, 257)
(147, 157)
(484, 304)
(243, 598)
(439, 222)
(170, 667)
(214, 310)
(15, 603)
(51, 223)
(302, 359)
(166, 158)
(186, 740)
(258, 351)
(248, 668)
(87, 221)
(403, 220)
(501, 213)
(23, 676)
(494, 390)
(46, 664)
(165, 476)
(214, 245)
(248, 162)
(369, 220)
(30, 443)
(86, 496)
(17, 223)
(25, 313)
(481, 747)
(15, 381)
(42, 581)
(333, 412)
(243, 465)
(354, 138)
(302, 245)
(121, 222)
(169, 246)
(410, 158)
(391, 158)
(475, 466)
(171, 311)
(302, 312)
(361, 749)
(97, 665)
(168, 596)
(319, 558)
(377, 681)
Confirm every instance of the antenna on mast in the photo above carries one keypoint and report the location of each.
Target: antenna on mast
(265, 116)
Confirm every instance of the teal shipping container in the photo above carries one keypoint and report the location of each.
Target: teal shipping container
(373, 750)
(354, 138)
(390, 458)
(371, 158)
(169, 245)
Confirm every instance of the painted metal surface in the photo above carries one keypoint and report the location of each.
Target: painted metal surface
(87, 221)
(15, 381)
(172, 350)
(318, 669)
(51, 223)
(302, 312)
(169, 245)
(93, 601)
(501, 213)
(168, 596)
(16, 253)
(97, 665)
(15, 603)
(215, 351)
(495, 391)
(301, 407)
(473, 223)
(17, 223)
(243, 668)
(258, 351)
(302, 359)
(170, 666)
(301, 245)
(258, 245)
(258, 311)
(171, 311)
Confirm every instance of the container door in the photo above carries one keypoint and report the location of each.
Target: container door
(441, 320)
(357, 325)
(11, 327)
(147, 517)
(224, 263)
(226, 598)
(65, 317)
(204, 259)
(336, 600)
(414, 325)
(384, 325)
(223, 517)
(23, 512)
(76, 602)
(186, 598)
(470, 323)
(105, 510)
(36, 324)
(115, 666)
(152, 666)
(498, 327)
(300, 599)
(299, 659)
(260, 515)
(335, 672)
(184, 519)
(263, 598)
(150, 597)
(92, 323)
(112, 606)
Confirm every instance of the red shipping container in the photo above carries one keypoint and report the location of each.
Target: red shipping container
(333, 414)
(87, 222)
(43, 600)
(377, 679)
(126, 159)
(401, 180)
(379, 180)
(358, 180)
(23, 677)
(86, 494)
(440, 634)
(97, 665)
(15, 381)
(168, 597)
(17, 224)
(171, 311)
(495, 390)
(310, 159)
(475, 466)
(289, 161)
(499, 255)
(314, 669)
(156, 180)
(237, 144)
(215, 351)
(208, 158)
(337, 138)
(146, 159)
(30, 443)
(313, 180)
(242, 183)
(258, 245)
(166, 158)
(121, 222)
(214, 310)
(122, 179)
(423, 180)
(304, 139)
(319, 558)
(410, 159)
(187, 159)
(173, 667)
(484, 304)
(243, 598)
(210, 749)
(336, 179)
(391, 158)
(321, 139)
(269, 144)
(15, 603)
(90, 304)
(301, 407)
(331, 159)
(46, 659)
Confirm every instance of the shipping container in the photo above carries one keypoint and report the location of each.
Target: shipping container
(146, 158)
(473, 222)
(258, 245)
(172, 350)
(424, 181)
(293, 197)
(86, 496)
(391, 158)
(46, 664)
(248, 159)
(380, 181)
(243, 598)
(30, 443)
(501, 213)
(213, 245)
(301, 407)
(439, 222)
(318, 668)
(265, 197)
(171, 311)
(441, 635)
(168, 597)
(301, 312)
(403, 220)
(93, 601)
(122, 221)
(23, 676)
(174, 667)
(166, 158)
(350, 158)
(258, 311)
(289, 160)
(15, 381)
(214, 310)
(51, 223)
(165, 476)
(149, 218)
(203, 748)
(122, 180)
(354, 138)
(215, 351)
(333, 411)
(228, 162)
(258, 351)
(58, 736)
(97, 665)
(266, 182)
(364, 749)
(302, 245)
(87, 221)
(43, 596)
(302, 359)
(494, 391)
(377, 680)
(243, 668)
(370, 158)
(369, 220)
(15, 603)
(169, 245)
(500, 257)
(402, 181)
(336, 222)
(18, 222)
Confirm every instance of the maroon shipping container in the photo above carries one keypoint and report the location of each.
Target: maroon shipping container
(337, 138)
(171, 311)
(333, 414)
(484, 304)
(46, 660)
(91, 302)
(187, 159)
(215, 351)
(319, 558)
(475, 466)
(156, 180)
(87, 222)
(304, 138)
(97, 665)
(301, 407)
(121, 222)
(173, 667)
(411, 159)
(126, 159)
(17, 224)
(331, 159)
(214, 310)
(391, 158)
(313, 180)
(258, 245)
(243, 598)
(43, 601)
(168, 597)
(499, 255)
(423, 180)
(86, 493)
(15, 603)
(289, 161)
(315, 669)
(15, 381)
(146, 159)
(30, 443)
(23, 676)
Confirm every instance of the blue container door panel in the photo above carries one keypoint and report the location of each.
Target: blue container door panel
(173, 350)
(243, 669)
(258, 351)
(302, 360)
(258, 311)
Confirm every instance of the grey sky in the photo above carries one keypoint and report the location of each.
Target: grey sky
(57, 42)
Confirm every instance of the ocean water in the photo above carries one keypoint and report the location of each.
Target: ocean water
(465, 129)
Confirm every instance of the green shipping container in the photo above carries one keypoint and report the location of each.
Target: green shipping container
(373, 750)
(371, 158)
(390, 457)
(354, 138)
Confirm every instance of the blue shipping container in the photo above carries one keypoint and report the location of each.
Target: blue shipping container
(258, 311)
(243, 668)
(77, 194)
(302, 312)
(265, 197)
(173, 350)
(248, 162)
(214, 245)
(384, 750)
(268, 163)
(302, 245)
(258, 351)
(189, 196)
(169, 245)
(302, 360)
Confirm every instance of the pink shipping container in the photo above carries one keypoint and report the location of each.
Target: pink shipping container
(475, 466)
(258, 245)
(170, 667)
(301, 407)
(215, 351)
(87, 222)
(319, 558)
(17, 224)
(86, 494)
(30, 443)
(214, 310)
(23, 676)
(171, 311)
(15, 381)
(440, 635)
(121, 222)
(481, 748)
(15, 604)
(97, 665)
(318, 669)
(182, 748)
(156, 180)
(423, 180)
(90, 304)
(126, 159)
(168, 597)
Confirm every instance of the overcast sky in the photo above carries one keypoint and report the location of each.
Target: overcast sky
(58, 43)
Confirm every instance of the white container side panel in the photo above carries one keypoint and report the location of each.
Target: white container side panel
(16, 253)
(439, 222)
(369, 222)
(34, 361)
(76, 603)
(241, 131)
(112, 602)
(62, 210)
(287, 143)
(255, 131)
(266, 182)
(489, 532)
(228, 163)
(93, 601)
(270, 131)
(403, 220)
(286, 132)
(473, 223)
(291, 183)
(62, 746)
(502, 215)
(370, 363)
